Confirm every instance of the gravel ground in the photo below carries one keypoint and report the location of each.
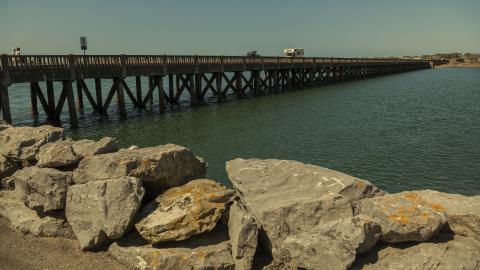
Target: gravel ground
(20, 252)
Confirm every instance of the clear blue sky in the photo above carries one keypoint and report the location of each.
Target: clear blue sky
(323, 28)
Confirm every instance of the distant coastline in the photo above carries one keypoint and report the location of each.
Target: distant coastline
(461, 65)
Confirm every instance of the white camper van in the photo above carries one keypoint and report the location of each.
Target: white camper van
(293, 52)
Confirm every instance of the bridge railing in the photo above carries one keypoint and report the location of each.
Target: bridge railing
(176, 63)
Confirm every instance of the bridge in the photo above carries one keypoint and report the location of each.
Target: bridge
(195, 75)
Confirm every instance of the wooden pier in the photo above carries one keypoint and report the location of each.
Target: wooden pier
(196, 75)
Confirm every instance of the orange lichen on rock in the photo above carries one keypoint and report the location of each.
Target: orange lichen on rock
(360, 184)
(402, 218)
(437, 206)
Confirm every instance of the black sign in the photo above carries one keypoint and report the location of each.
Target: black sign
(83, 43)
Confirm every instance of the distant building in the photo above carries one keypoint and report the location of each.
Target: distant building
(471, 57)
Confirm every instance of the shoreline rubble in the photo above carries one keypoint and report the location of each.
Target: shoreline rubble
(152, 208)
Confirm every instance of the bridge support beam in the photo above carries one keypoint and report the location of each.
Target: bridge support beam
(5, 104)
(138, 87)
(33, 100)
(51, 101)
(161, 95)
(79, 96)
(67, 87)
(99, 97)
(121, 99)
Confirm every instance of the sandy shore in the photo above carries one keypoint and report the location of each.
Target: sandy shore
(461, 65)
(19, 251)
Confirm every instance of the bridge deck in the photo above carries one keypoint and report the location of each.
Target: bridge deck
(64, 67)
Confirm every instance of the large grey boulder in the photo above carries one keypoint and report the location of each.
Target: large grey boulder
(206, 251)
(243, 234)
(28, 221)
(443, 252)
(463, 212)
(7, 167)
(404, 216)
(287, 197)
(102, 211)
(23, 143)
(42, 189)
(184, 211)
(86, 148)
(333, 245)
(58, 154)
(159, 167)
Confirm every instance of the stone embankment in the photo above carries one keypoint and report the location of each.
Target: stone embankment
(151, 208)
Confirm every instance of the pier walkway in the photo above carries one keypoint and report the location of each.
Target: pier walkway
(195, 75)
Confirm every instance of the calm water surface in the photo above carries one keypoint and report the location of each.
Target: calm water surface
(407, 131)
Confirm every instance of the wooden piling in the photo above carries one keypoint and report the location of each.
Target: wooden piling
(171, 90)
(138, 86)
(5, 104)
(33, 100)
(161, 95)
(198, 86)
(192, 91)
(218, 83)
(51, 101)
(79, 96)
(98, 95)
(67, 86)
(121, 99)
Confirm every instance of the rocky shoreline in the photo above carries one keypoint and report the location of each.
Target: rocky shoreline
(152, 208)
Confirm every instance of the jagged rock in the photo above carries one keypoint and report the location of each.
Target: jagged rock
(86, 148)
(42, 189)
(184, 211)
(7, 183)
(7, 167)
(103, 210)
(158, 167)
(333, 245)
(131, 147)
(463, 212)
(243, 233)
(4, 125)
(206, 251)
(23, 143)
(57, 155)
(287, 197)
(443, 252)
(404, 216)
(26, 220)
